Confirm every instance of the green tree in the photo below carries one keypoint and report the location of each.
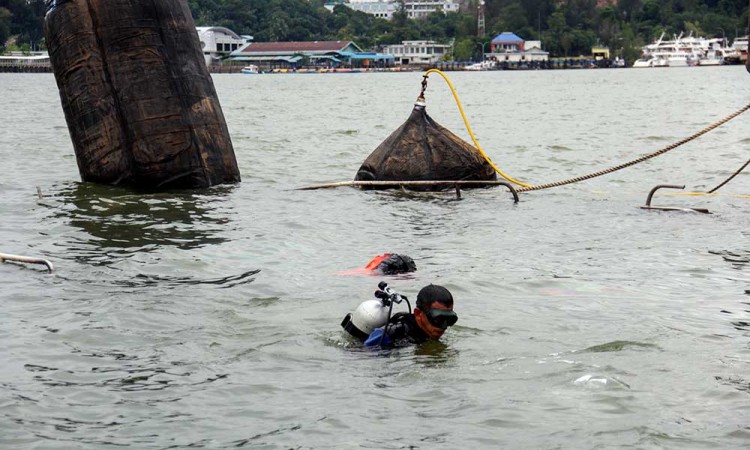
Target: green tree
(464, 49)
(5, 20)
(556, 33)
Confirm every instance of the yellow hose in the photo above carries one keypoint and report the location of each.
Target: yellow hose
(468, 128)
(528, 187)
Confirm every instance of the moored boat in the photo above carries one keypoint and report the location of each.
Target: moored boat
(687, 51)
(252, 69)
(740, 44)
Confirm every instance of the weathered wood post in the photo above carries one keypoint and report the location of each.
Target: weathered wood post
(747, 62)
(138, 98)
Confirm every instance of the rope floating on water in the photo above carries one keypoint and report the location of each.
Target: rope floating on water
(642, 158)
(527, 187)
(25, 259)
(730, 178)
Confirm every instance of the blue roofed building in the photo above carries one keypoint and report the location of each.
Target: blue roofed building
(507, 42)
(508, 47)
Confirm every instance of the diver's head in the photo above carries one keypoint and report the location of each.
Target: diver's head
(434, 311)
(395, 263)
(391, 264)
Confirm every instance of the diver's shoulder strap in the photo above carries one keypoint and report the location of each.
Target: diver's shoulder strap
(399, 317)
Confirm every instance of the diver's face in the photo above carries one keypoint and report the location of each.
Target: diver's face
(432, 331)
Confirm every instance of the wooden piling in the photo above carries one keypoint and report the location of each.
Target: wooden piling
(139, 101)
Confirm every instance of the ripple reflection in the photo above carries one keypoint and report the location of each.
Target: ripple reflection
(118, 222)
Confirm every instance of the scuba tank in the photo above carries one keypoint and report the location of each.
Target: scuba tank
(372, 314)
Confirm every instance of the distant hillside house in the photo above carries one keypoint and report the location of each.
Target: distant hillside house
(219, 42)
(415, 9)
(421, 8)
(309, 53)
(418, 52)
(507, 47)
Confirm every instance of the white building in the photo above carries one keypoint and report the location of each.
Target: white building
(507, 47)
(417, 52)
(219, 42)
(422, 8)
(384, 9)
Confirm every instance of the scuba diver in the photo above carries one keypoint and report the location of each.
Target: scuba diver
(373, 324)
(386, 264)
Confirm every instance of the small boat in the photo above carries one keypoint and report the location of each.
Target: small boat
(252, 69)
(487, 64)
(651, 61)
(740, 44)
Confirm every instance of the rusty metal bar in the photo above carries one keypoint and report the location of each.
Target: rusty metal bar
(660, 186)
(670, 208)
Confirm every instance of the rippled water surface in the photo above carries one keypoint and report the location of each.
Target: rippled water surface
(211, 318)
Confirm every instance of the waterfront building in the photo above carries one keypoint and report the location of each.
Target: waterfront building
(506, 42)
(291, 55)
(415, 9)
(600, 53)
(418, 52)
(20, 62)
(218, 42)
(507, 47)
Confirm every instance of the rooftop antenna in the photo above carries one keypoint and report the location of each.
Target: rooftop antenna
(480, 19)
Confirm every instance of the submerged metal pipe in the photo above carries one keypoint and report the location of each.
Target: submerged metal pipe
(511, 189)
(25, 259)
(421, 183)
(656, 188)
(670, 208)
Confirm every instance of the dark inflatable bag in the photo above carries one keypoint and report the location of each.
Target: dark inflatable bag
(423, 150)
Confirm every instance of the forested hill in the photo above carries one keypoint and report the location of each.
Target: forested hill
(565, 27)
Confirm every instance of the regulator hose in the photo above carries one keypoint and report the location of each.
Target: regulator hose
(468, 127)
(387, 322)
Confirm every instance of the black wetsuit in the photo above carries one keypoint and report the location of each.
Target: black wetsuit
(402, 330)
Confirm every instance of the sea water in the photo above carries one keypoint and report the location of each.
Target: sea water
(210, 318)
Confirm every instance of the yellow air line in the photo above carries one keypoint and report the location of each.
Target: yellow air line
(471, 133)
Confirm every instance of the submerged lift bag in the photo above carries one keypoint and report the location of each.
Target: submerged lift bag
(423, 150)
(138, 99)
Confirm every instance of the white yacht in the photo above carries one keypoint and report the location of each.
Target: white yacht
(686, 51)
(716, 52)
(678, 52)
